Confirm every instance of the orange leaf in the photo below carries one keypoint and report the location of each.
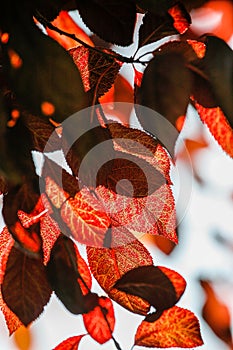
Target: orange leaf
(217, 314)
(176, 327)
(109, 264)
(71, 343)
(218, 126)
(100, 322)
(86, 218)
(177, 280)
(29, 240)
(65, 22)
(198, 46)
(23, 338)
(121, 91)
(181, 18)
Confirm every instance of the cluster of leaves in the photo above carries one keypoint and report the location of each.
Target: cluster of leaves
(38, 252)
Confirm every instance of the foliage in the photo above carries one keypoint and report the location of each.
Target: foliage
(44, 82)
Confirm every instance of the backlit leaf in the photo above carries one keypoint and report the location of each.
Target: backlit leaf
(71, 343)
(154, 284)
(139, 143)
(109, 264)
(216, 313)
(64, 275)
(177, 280)
(176, 327)
(181, 17)
(111, 20)
(6, 243)
(218, 126)
(86, 218)
(66, 23)
(100, 321)
(154, 214)
(49, 231)
(29, 239)
(25, 287)
(97, 70)
(121, 91)
(12, 321)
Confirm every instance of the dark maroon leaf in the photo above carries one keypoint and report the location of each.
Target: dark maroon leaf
(117, 173)
(156, 7)
(43, 133)
(63, 275)
(201, 87)
(25, 287)
(165, 89)
(42, 66)
(155, 28)
(218, 65)
(3, 185)
(112, 20)
(22, 197)
(151, 284)
(89, 151)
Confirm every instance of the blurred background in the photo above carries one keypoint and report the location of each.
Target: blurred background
(204, 255)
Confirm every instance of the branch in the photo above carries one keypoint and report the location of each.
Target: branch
(116, 56)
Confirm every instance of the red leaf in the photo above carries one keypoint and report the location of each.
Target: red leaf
(65, 22)
(109, 264)
(97, 70)
(181, 18)
(12, 321)
(198, 46)
(49, 231)
(71, 343)
(86, 218)
(28, 240)
(218, 126)
(24, 294)
(138, 143)
(55, 194)
(176, 327)
(6, 243)
(154, 214)
(100, 322)
(217, 314)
